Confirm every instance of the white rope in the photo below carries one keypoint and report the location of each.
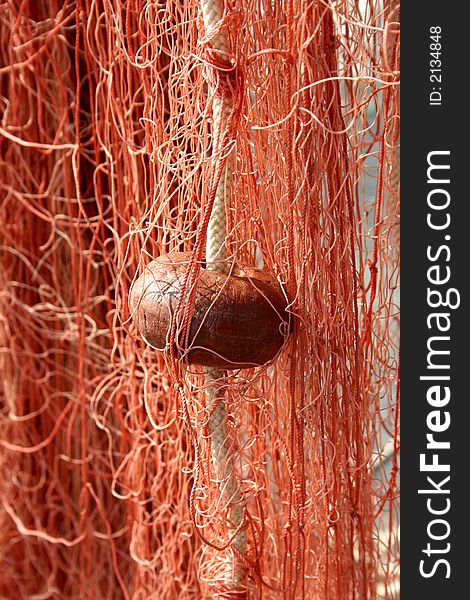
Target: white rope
(216, 251)
(216, 259)
(223, 460)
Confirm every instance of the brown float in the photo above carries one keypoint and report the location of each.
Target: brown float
(239, 320)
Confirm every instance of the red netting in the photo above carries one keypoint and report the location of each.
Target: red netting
(109, 489)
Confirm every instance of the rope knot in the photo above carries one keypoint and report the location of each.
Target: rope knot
(226, 79)
(221, 67)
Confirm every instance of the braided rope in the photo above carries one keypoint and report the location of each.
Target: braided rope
(216, 259)
(216, 252)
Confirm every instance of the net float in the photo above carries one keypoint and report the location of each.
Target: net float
(239, 319)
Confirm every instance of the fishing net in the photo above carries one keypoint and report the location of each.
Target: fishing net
(110, 154)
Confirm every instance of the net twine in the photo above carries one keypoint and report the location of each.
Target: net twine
(103, 149)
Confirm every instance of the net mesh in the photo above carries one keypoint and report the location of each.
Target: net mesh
(109, 487)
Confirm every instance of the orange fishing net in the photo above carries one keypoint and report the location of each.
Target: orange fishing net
(110, 488)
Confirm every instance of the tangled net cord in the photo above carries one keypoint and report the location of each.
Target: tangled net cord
(103, 140)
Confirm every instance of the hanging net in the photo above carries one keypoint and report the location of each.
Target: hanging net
(139, 471)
